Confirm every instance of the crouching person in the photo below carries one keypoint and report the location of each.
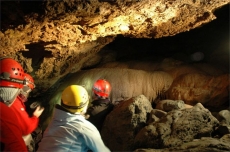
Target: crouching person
(69, 130)
(101, 104)
(11, 81)
(27, 123)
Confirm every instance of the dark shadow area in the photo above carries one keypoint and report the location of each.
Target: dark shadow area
(37, 52)
(205, 41)
(13, 12)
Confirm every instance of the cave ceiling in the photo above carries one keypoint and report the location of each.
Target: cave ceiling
(54, 38)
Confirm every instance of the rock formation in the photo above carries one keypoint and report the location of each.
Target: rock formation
(52, 39)
(134, 125)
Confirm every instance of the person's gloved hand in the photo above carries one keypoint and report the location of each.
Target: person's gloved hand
(38, 111)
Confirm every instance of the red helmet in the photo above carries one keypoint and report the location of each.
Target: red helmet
(102, 88)
(11, 73)
(29, 81)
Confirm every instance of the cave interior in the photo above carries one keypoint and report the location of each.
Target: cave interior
(207, 44)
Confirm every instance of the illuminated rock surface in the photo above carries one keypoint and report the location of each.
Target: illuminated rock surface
(151, 51)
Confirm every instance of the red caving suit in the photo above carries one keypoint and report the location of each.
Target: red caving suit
(10, 133)
(27, 123)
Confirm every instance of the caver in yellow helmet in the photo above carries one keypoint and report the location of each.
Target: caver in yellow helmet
(75, 98)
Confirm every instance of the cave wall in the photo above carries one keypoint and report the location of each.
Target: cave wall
(53, 38)
(177, 50)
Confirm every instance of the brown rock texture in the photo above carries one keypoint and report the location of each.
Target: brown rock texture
(63, 35)
(124, 122)
(135, 125)
(64, 42)
(169, 105)
(193, 88)
(177, 127)
(202, 145)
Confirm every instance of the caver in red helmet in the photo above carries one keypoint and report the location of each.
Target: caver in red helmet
(27, 88)
(11, 73)
(29, 81)
(102, 88)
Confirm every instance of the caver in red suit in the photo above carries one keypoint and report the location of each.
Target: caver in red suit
(11, 135)
(11, 80)
(27, 124)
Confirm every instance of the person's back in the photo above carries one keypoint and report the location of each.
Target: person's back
(98, 111)
(101, 106)
(69, 130)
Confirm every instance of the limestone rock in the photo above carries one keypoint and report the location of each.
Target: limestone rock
(124, 122)
(176, 128)
(169, 105)
(156, 115)
(202, 145)
(193, 88)
(224, 117)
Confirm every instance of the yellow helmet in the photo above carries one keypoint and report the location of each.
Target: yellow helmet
(74, 98)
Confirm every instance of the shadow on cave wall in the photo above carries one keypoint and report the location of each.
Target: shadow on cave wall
(37, 52)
